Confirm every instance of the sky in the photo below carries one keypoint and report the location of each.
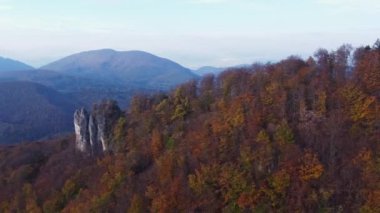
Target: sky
(193, 33)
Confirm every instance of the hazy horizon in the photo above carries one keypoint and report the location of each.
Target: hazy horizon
(193, 33)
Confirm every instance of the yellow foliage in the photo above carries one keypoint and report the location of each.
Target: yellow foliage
(204, 178)
(246, 157)
(136, 205)
(310, 167)
(364, 160)
(360, 105)
(157, 144)
(280, 181)
(284, 134)
(30, 200)
(232, 182)
(372, 203)
(321, 103)
(268, 97)
(262, 137)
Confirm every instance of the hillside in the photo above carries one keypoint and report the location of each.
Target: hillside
(7, 64)
(209, 70)
(84, 79)
(295, 136)
(30, 111)
(86, 91)
(58, 81)
(133, 68)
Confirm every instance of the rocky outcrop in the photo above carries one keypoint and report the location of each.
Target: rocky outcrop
(81, 130)
(94, 131)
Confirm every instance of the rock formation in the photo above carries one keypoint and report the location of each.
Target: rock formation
(81, 130)
(94, 131)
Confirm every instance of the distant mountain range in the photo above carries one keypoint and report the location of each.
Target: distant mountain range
(12, 65)
(209, 70)
(81, 79)
(37, 103)
(215, 70)
(134, 68)
(95, 75)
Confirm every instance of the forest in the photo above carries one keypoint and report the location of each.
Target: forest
(293, 136)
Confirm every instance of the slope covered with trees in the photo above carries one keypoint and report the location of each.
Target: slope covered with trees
(30, 111)
(295, 136)
(84, 79)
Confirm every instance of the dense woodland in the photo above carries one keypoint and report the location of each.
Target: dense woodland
(30, 111)
(293, 136)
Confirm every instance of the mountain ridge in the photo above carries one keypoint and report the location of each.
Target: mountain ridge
(85, 78)
(135, 67)
(7, 64)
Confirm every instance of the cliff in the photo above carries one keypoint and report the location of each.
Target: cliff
(93, 131)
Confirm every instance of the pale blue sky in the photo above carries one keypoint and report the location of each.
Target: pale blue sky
(191, 32)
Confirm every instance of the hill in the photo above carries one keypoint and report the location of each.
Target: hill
(209, 70)
(294, 136)
(30, 111)
(58, 81)
(206, 70)
(106, 74)
(86, 91)
(7, 64)
(84, 79)
(133, 68)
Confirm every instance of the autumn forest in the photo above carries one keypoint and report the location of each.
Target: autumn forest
(293, 136)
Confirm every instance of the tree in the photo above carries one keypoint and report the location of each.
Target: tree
(367, 71)
(207, 92)
(30, 199)
(157, 144)
(137, 204)
(325, 66)
(341, 64)
(264, 160)
(310, 168)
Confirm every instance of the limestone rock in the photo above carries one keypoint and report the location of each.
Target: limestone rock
(81, 130)
(96, 147)
(94, 131)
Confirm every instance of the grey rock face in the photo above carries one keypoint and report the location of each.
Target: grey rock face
(102, 131)
(81, 130)
(93, 132)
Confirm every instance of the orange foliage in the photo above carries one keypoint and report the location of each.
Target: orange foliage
(310, 168)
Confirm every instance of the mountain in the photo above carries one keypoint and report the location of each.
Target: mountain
(209, 70)
(105, 74)
(12, 65)
(27, 109)
(216, 70)
(87, 91)
(133, 68)
(37, 103)
(30, 111)
(58, 81)
(251, 140)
